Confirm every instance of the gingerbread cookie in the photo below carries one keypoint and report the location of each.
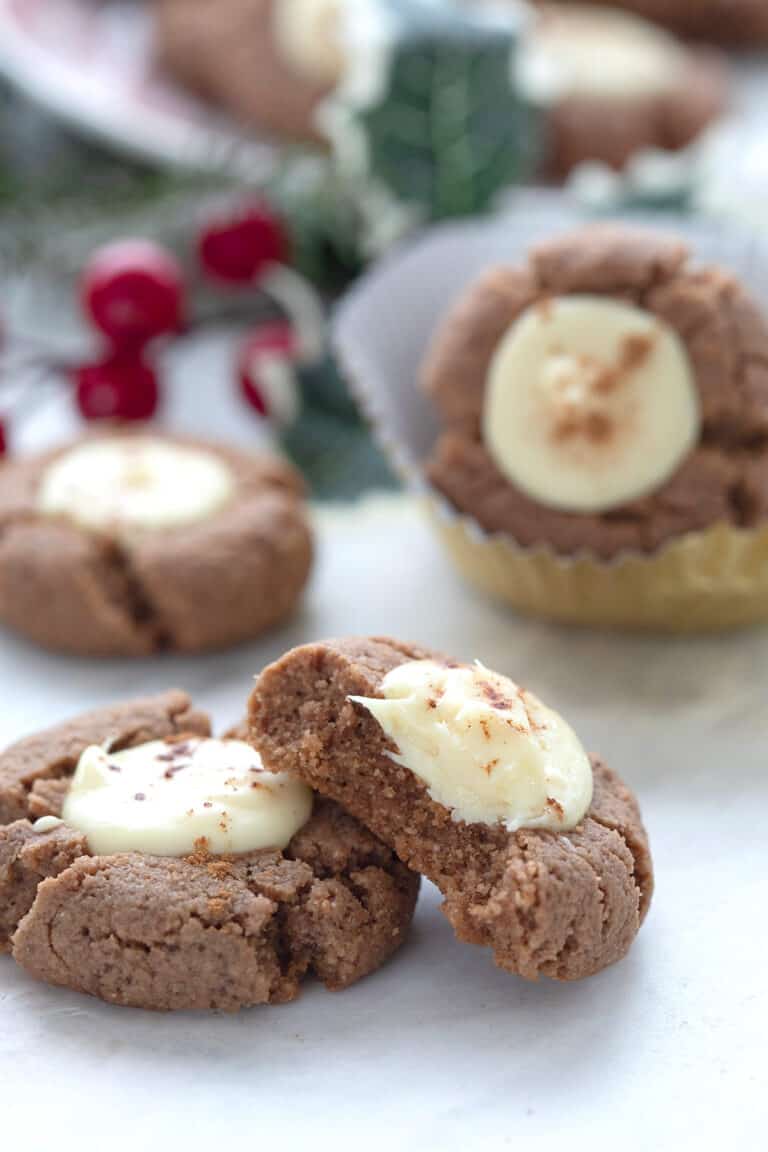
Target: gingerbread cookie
(269, 62)
(539, 851)
(143, 862)
(606, 395)
(133, 543)
(613, 85)
(738, 22)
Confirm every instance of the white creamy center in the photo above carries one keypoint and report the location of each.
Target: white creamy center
(486, 749)
(131, 482)
(173, 798)
(586, 51)
(308, 35)
(590, 403)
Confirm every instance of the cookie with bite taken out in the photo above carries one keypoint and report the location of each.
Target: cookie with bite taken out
(538, 849)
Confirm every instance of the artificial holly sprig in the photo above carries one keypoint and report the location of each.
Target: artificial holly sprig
(136, 295)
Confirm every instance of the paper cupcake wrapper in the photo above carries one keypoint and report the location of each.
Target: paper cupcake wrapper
(703, 581)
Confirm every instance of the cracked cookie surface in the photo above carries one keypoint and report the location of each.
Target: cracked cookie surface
(725, 334)
(201, 932)
(561, 904)
(206, 585)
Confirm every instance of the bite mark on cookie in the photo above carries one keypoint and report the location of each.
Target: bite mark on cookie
(557, 903)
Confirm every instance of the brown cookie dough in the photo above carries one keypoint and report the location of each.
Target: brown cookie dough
(737, 22)
(725, 335)
(227, 53)
(27, 858)
(216, 582)
(557, 904)
(203, 932)
(611, 128)
(581, 129)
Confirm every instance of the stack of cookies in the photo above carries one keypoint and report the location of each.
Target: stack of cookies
(150, 864)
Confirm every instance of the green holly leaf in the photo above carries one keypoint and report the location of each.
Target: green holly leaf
(450, 130)
(331, 442)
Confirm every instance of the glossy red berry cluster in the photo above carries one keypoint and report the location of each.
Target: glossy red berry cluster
(134, 294)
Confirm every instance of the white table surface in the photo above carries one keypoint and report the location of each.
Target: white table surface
(440, 1050)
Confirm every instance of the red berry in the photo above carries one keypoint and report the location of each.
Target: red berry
(266, 372)
(133, 291)
(122, 386)
(237, 248)
(255, 397)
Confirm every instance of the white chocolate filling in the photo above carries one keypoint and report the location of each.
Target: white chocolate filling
(585, 51)
(130, 482)
(47, 824)
(590, 403)
(487, 750)
(308, 36)
(174, 798)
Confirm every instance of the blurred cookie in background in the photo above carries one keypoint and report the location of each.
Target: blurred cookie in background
(741, 23)
(603, 411)
(614, 85)
(605, 84)
(415, 101)
(268, 62)
(128, 544)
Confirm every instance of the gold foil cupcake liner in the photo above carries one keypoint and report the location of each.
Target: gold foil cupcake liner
(705, 581)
